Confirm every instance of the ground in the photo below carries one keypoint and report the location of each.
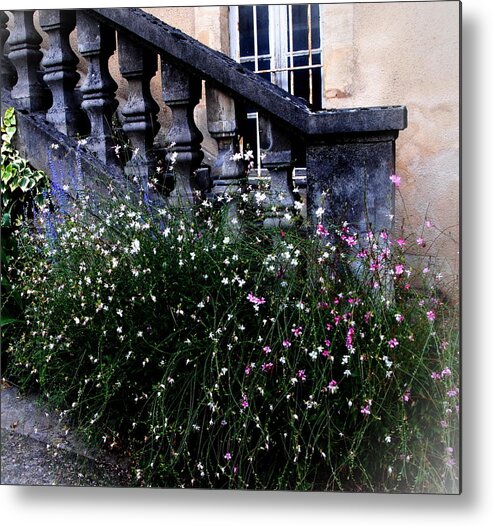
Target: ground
(38, 448)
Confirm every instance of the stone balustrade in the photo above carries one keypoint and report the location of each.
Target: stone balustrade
(349, 154)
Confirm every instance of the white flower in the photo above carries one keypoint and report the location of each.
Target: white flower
(319, 212)
(260, 196)
(135, 247)
(388, 439)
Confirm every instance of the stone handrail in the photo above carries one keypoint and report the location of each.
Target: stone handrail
(350, 153)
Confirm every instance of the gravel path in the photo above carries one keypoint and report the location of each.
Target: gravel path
(38, 448)
(27, 461)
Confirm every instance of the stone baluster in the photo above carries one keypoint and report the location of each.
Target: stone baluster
(275, 147)
(138, 65)
(96, 44)
(228, 175)
(30, 92)
(181, 92)
(60, 73)
(8, 75)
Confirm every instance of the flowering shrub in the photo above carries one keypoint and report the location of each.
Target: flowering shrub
(233, 356)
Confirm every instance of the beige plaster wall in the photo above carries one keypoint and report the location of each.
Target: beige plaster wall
(406, 53)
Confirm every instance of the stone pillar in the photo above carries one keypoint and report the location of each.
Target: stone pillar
(30, 92)
(275, 146)
(96, 44)
(8, 75)
(181, 92)
(138, 65)
(60, 73)
(228, 175)
(348, 178)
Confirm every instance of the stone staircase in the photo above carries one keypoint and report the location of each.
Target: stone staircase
(349, 154)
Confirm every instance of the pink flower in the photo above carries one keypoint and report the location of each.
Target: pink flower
(253, 299)
(365, 410)
(428, 224)
(350, 240)
(332, 386)
(244, 401)
(393, 343)
(267, 367)
(301, 375)
(349, 338)
(406, 396)
(435, 376)
(297, 331)
(321, 230)
(286, 344)
(248, 370)
(401, 242)
(420, 241)
(267, 349)
(446, 372)
(431, 315)
(399, 318)
(396, 180)
(227, 456)
(399, 269)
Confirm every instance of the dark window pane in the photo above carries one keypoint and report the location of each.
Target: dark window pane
(263, 64)
(300, 27)
(302, 80)
(302, 60)
(249, 64)
(315, 26)
(245, 17)
(263, 29)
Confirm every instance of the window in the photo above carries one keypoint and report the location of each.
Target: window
(281, 43)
